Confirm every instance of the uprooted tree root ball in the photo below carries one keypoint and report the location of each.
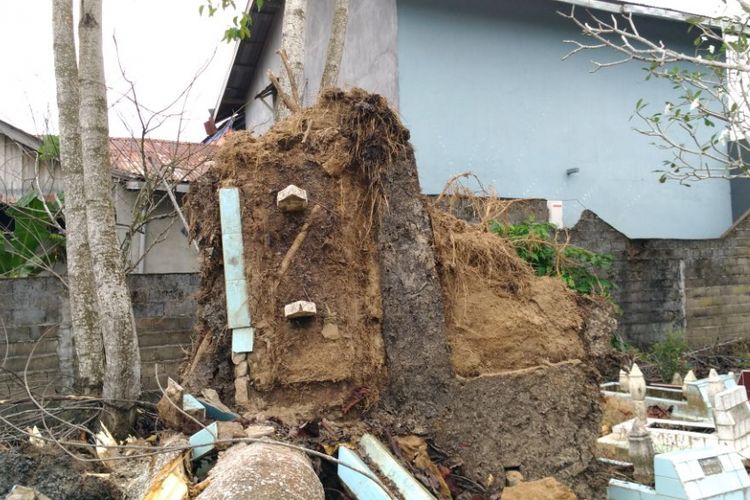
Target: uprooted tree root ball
(492, 326)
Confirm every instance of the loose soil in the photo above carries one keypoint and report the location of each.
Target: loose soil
(52, 473)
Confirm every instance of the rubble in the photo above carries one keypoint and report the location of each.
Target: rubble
(543, 489)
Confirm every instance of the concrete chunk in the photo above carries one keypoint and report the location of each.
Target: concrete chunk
(300, 309)
(291, 199)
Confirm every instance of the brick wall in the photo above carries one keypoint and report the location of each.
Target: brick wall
(700, 286)
(34, 317)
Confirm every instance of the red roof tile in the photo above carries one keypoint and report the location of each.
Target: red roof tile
(133, 158)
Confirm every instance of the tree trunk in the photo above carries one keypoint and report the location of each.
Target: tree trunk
(262, 471)
(84, 316)
(293, 43)
(122, 377)
(335, 44)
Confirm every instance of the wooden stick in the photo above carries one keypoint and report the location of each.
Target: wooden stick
(292, 82)
(298, 240)
(288, 102)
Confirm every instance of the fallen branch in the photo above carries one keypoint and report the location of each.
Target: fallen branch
(297, 243)
(292, 83)
(288, 102)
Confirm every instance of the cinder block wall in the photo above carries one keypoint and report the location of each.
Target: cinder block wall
(33, 316)
(699, 286)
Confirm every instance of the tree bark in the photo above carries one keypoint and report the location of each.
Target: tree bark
(335, 49)
(84, 316)
(293, 43)
(122, 377)
(262, 471)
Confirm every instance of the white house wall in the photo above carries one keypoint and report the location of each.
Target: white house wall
(483, 88)
(370, 58)
(18, 171)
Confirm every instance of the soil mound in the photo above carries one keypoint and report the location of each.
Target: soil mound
(499, 315)
(337, 151)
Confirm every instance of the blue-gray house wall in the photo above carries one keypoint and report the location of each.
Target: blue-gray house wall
(482, 87)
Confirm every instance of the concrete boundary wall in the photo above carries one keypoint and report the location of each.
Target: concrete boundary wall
(34, 316)
(699, 286)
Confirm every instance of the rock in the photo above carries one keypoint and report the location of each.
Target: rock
(23, 493)
(548, 488)
(291, 199)
(331, 331)
(240, 370)
(262, 471)
(229, 431)
(259, 431)
(241, 394)
(300, 309)
(239, 357)
(168, 405)
(513, 478)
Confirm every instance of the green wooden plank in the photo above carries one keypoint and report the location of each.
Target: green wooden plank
(238, 308)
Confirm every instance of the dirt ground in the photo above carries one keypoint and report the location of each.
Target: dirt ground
(52, 473)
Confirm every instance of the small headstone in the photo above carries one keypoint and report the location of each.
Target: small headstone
(623, 382)
(677, 379)
(715, 386)
(300, 309)
(690, 377)
(291, 199)
(637, 383)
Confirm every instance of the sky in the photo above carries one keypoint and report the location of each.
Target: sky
(162, 45)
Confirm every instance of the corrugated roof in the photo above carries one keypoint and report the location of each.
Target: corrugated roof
(133, 158)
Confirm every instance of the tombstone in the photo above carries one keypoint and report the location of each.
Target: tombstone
(704, 473)
(623, 385)
(732, 419)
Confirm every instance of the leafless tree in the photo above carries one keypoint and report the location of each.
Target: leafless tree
(711, 107)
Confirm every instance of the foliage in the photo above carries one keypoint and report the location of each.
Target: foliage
(669, 355)
(577, 267)
(49, 150)
(241, 25)
(33, 243)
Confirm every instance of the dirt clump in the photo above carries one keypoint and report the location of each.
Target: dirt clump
(548, 488)
(336, 151)
(499, 315)
(426, 324)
